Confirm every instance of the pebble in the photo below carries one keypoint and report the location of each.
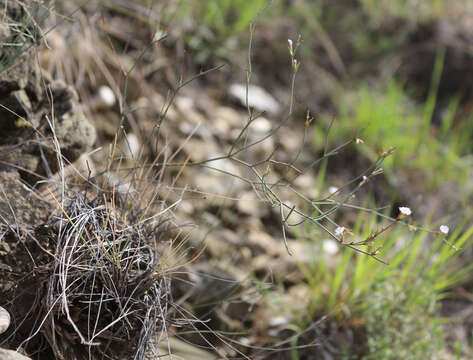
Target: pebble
(107, 95)
(131, 146)
(330, 247)
(4, 320)
(11, 355)
(249, 204)
(258, 98)
(261, 125)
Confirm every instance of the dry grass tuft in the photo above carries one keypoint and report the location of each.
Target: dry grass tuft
(98, 287)
(103, 282)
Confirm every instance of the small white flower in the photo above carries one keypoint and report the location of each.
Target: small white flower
(365, 178)
(289, 41)
(405, 210)
(339, 231)
(332, 189)
(444, 229)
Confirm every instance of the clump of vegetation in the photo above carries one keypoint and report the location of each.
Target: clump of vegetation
(99, 284)
(383, 304)
(402, 321)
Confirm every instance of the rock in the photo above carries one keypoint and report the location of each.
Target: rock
(180, 350)
(35, 111)
(258, 98)
(186, 107)
(199, 150)
(4, 320)
(226, 122)
(4, 31)
(292, 142)
(262, 242)
(19, 69)
(121, 186)
(261, 125)
(30, 128)
(307, 184)
(230, 116)
(218, 242)
(131, 146)
(107, 96)
(330, 247)
(213, 182)
(224, 165)
(20, 206)
(250, 204)
(292, 216)
(21, 210)
(74, 132)
(29, 142)
(15, 109)
(106, 123)
(186, 128)
(184, 104)
(11, 355)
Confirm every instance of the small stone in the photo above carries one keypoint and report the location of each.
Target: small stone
(107, 95)
(224, 165)
(308, 184)
(131, 146)
(249, 204)
(4, 320)
(122, 187)
(291, 213)
(11, 355)
(184, 104)
(278, 321)
(330, 247)
(264, 242)
(199, 150)
(185, 128)
(261, 125)
(332, 190)
(258, 98)
(229, 116)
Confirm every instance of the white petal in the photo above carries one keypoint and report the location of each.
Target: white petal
(444, 229)
(405, 210)
(339, 231)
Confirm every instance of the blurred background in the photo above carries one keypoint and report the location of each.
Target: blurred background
(293, 132)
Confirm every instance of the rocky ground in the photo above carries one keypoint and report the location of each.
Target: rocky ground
(127, 149)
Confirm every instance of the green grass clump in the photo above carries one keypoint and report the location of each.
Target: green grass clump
(401, 322)
(395, 303)
(226, 17)
(385, 117)
(219, 26)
